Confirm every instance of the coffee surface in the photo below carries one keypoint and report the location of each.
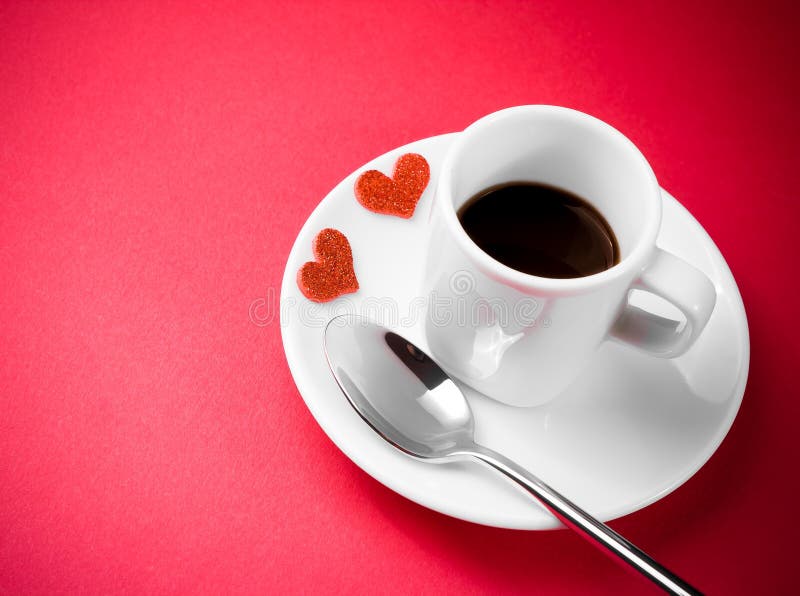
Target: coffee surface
(540, 230)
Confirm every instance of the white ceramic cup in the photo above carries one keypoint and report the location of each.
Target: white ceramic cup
(519, 338)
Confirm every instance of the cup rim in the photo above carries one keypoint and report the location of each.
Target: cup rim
(635, 260)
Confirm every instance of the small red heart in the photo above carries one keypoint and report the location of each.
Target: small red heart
(399, 194)
(332, 274)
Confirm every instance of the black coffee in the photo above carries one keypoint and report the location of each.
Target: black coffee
(540, 230)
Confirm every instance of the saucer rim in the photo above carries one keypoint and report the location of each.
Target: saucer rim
(468, 513)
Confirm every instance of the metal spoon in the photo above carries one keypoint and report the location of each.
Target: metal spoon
(412, 403)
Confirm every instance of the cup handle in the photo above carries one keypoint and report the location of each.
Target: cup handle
(683, 285)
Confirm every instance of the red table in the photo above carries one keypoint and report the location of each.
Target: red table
(156, 163)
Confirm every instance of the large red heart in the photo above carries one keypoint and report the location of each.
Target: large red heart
(332, 274)
(399, 194)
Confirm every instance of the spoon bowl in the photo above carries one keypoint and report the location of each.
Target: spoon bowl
(427, 415)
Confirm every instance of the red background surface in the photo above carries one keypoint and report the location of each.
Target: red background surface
(156, 163)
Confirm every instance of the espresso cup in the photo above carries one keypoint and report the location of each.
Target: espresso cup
(522, 339)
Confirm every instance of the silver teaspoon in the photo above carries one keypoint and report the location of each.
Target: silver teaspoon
(412, 403)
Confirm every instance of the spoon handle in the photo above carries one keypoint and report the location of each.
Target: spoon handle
(590, 528)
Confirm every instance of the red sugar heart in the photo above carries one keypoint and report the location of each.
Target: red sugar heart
(399, 194)
(332, 274)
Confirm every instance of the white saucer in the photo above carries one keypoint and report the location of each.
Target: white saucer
(630, 430)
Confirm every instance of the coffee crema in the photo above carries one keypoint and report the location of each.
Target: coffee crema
(540, 230)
